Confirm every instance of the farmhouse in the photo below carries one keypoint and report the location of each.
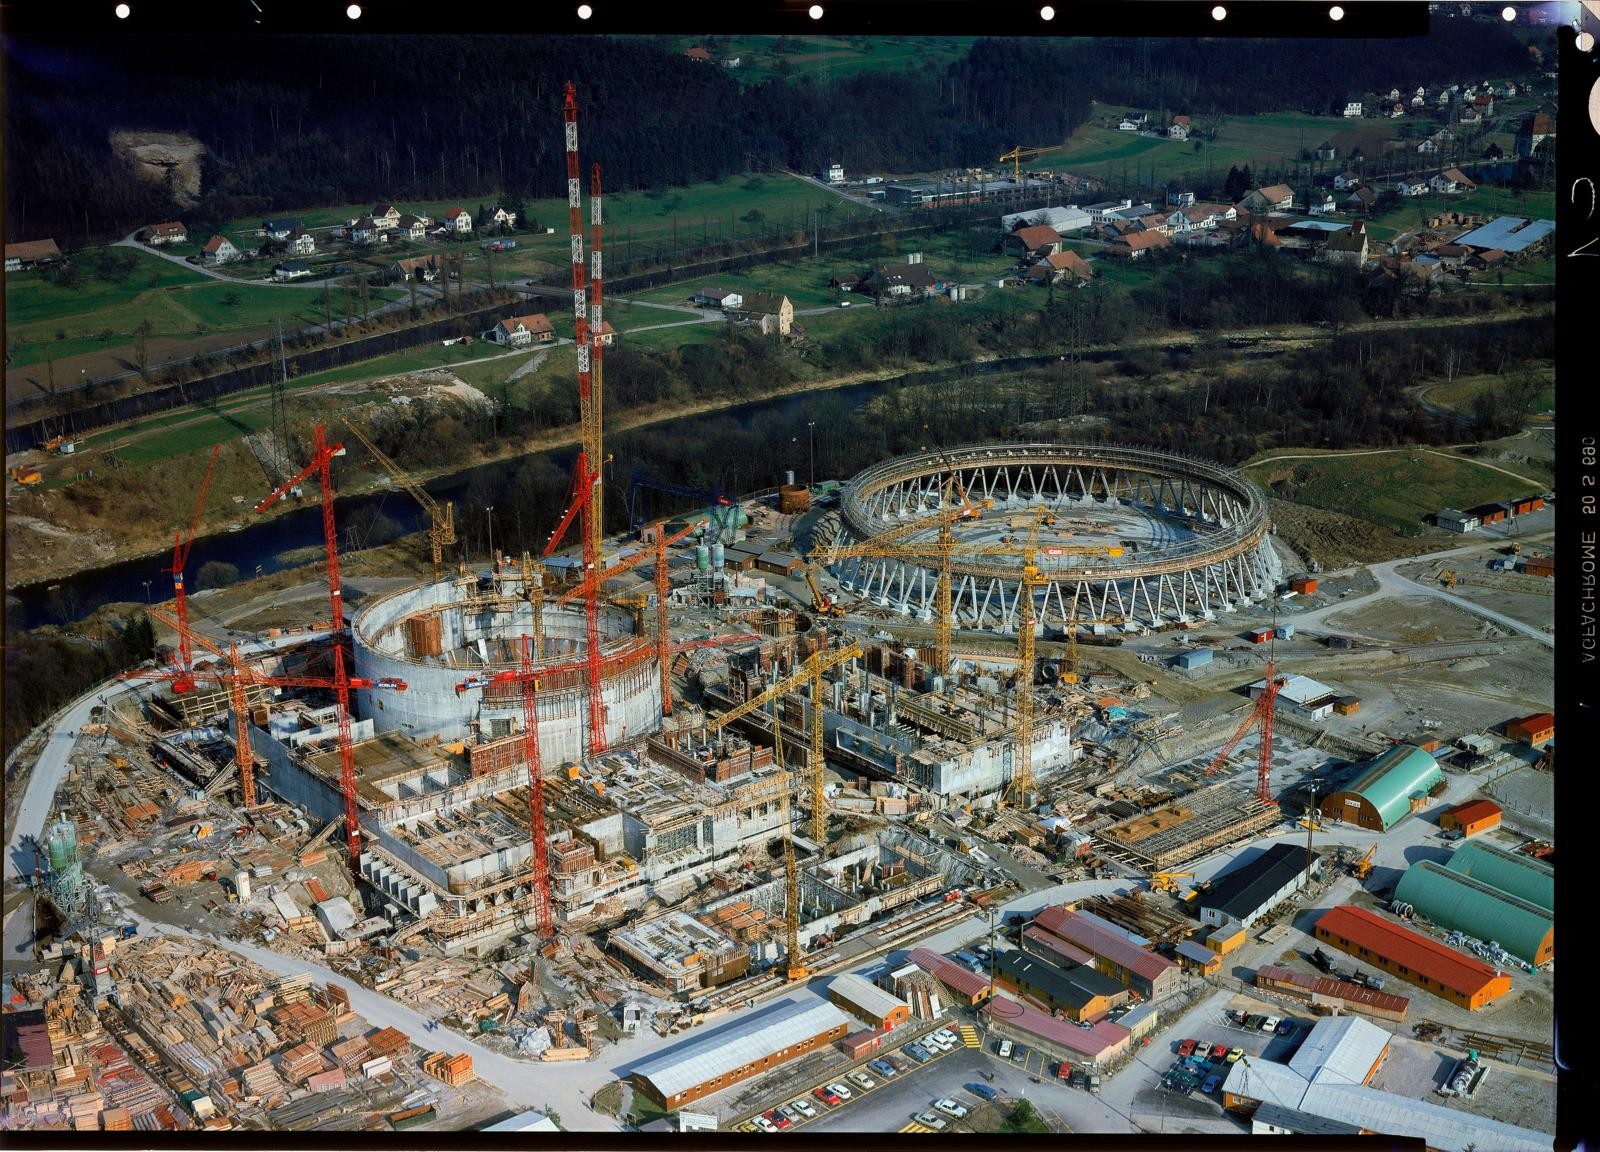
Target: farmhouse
(424, 269)
(770, 310)
(31, 254)
(1059, 266)
(171, 233)
(517, 331)
(386, 216)
(1275, 196)
(1136, 244)
(503, 218)
(302, 243)
(459, 219)
(716, 298)
(1179, 128)
(219, 250)
(411, 227)
(1452, 180)
(901, 280)
(367, 231)
(1034, 240)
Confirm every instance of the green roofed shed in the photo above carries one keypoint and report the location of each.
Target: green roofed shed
(1388, 789)
(1522, 876)
(1455, 901)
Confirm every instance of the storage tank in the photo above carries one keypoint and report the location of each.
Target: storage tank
(717, 555)
(62, 847)
(702, 558)
(788, 477)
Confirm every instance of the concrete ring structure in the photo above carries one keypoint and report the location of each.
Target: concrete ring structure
(436, 635)
(1192, 535)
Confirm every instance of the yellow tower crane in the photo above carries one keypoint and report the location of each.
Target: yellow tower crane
(887, 544)
(441, 521)
(1018, 155)
(812, 670)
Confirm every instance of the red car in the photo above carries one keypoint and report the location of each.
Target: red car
(778, 1118)
(1063, 1071)
(825, 1096)
(1219, 1051)
(1186, 1048)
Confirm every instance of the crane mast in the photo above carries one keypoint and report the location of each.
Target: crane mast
(180, 560)
(540, 862)
(441, 520)
(590, 413)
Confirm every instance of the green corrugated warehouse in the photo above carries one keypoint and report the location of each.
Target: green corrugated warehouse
(1381, 796)
(1451, 900)
(1522, 876)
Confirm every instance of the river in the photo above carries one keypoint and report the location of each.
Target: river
(263, 542)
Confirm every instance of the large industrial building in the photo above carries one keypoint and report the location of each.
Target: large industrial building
(1328, 1080)
(1079, 993)
(1250, 891)
(1417, 959)
(1389, 788)
(1463, 904)
(751, 1045)
(1520, 875)
(1153, 977)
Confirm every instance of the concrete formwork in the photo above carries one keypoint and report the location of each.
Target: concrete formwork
(478, 635)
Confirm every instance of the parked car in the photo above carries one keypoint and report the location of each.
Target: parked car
(764, 1124)
(1219, 1051)
(896, 1062)
(778, 1118)
(1211, 1083)
(983, 1091)
(950, 1108)
(1270, 1024)
(931, 1120)
(882, 1068)
(804, 1107)
(1286, 1028)
(945, 1036)
(1063, 1071)
(827, 1096)
(861, 1080)
(917, 1052)
(1079, 1080)
(840, 1091)
(1003, 1049)
(1234, 1054)
(1253, 1022)
(1186, 1048)
(1019, 1054)
(789, 1112)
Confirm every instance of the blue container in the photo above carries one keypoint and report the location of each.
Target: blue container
(1194, 658)
(1285, 631)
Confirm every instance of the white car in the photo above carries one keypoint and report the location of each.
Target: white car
(804, 1107)
(945, 1036)
(764, 1125)
(944, 1044)
(1270, 1024)
(931, 1120)
(950, 1108)
(840, 1091)
(862, 1080)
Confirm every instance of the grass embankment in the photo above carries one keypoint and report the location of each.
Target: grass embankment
(1459, 394)
(830, 57)
(1397, 488)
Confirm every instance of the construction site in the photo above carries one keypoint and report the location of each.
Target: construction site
(595, 798)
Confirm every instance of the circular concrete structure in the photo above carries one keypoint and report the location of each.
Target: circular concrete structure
(1191, 535)
(394, 637)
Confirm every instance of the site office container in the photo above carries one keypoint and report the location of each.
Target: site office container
(1304, 585)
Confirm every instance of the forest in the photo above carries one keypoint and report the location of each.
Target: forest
(298, 120)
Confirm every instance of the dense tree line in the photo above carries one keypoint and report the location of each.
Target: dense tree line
(350, 119)
(46, 669)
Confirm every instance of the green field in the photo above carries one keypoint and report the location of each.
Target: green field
(826, 57)
(1459, 394)
(1397, 489)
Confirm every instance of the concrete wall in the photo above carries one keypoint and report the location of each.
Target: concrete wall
(431, 707)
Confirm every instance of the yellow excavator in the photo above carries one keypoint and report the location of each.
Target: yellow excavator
(1167, 881)
(1448, 578)
(1362, 868)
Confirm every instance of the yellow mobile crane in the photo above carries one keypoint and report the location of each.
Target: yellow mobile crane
(441, 521)
(1165, 881)
(812, 670)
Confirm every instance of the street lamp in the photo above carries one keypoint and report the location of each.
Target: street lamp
(811, 437)
(489, 514)
(147, 599)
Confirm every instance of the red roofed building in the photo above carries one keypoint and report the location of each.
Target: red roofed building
(1537, 730)
(1417, 959)
(963, 981)
(1153, 977)
(1135, 244)
(698, 54)
(1035, 240)
(1472, 817)
(1102, 1043)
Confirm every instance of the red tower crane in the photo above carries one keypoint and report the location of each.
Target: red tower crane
(239, 676)
(321, 458)
(180, 560)
(1261, 712)
(583, 485)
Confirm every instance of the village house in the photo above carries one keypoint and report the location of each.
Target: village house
(423, 269)
(386, 216)
(912, 278)
(1319, 203)
(716, 298)
(607, 334)
(1359, 202)
(1410, 186)
(1440, 141)
(1487, 260)
(700, 54)
(1034, 241)
(1345, 181)
(1275, 196)
(1352, 109)
(291, 270)
(1132, 122)
(1179, 198)
(170, 233)
(458, 219)
(1327, 151)
(1484, 103)
(1348, 246)
(1059, 266)
(502, 218)
(31, 254)
(1179, 129)
(731, 62)
(278, 229)
(367, 231)
(411, 227)
(1452, 180)
(1535, 130)
(301, 243)
(770, 310)
(219, 250)
(1468, 115)
(519, 331)
(1393, 108)
(1136, 244)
